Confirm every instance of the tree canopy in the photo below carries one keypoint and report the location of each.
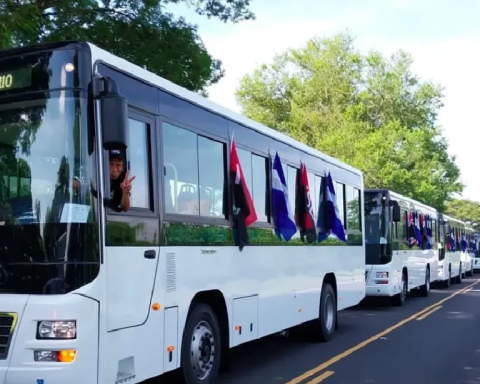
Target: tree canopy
(141, 31)
(368, 110)
(466, 210)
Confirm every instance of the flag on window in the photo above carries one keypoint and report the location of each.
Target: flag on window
(428, 225)
(304, 207)
(464, 242)
(452, 241)
(412, 236)
(283, 216)
(418, 233)
(328, 219)
(244, 213)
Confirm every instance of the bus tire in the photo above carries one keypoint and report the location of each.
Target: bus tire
(458, 279)
(324, 326)
(201, 346)
(447, 282)
(399, 299)
(425, 289)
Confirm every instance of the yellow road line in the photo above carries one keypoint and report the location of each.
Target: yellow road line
(348, 352)
(429, 313)
(323, 376)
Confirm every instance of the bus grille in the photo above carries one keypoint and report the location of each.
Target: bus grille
(7, 326)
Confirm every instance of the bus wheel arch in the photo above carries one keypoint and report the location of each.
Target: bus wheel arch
(399, 299)
(332, 280)
(214, 302)
(425, 288)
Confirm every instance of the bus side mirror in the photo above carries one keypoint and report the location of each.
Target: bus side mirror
(396, 216)
(114, 119)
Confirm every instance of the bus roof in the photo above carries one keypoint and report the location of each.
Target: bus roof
(401, 197)
(168, 86)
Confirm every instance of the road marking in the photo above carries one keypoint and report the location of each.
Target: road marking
(468, 290)
(429, 313)
(323, 376)
(364, 343)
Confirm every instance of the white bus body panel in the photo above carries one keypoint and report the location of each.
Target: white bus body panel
(467, 261)
(278, 287)
(416, 262)
(20, 367)
(452, 260)
(476, 264)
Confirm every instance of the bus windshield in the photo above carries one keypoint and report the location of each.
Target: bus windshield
(376, 228)
(46, 208)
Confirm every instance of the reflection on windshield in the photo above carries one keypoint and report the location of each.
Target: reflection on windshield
(46, 210)
(375, 219)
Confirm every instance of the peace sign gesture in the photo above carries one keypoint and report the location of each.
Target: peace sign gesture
(126, 185)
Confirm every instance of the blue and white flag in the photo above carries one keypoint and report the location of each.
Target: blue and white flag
(283, 215)
(328, 218)
(428, 225)
(418, 230)
(463, 243)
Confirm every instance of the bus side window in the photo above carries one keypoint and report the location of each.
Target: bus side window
(138, 164)
(194, 173)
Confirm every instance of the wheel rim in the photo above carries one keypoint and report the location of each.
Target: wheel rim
(202, 350)
(428, 280)
(404, 288)
(329, 313)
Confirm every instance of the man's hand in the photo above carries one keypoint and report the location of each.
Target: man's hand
(126, 185)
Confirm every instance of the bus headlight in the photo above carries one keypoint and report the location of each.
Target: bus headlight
(57, 330)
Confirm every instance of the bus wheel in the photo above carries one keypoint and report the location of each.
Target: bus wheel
(323, 328)
(425, 290)
(201, 346)
(399, 299)
(447, 282)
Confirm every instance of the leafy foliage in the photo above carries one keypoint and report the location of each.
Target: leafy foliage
(367, 110)
(465, 210)
(138, 30)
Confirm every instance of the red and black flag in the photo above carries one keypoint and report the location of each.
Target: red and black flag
(244, 213)
(304, 207)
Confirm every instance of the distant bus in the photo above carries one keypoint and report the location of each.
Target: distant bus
(393, 266)
(450, 267)
(476, 261)
(92, 294)
(468, 256)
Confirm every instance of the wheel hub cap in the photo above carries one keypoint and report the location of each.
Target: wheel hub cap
(202, 350)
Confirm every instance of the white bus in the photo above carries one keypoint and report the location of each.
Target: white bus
(94, 294)
(393, 265)
(476, 261)
(468, 256)
(450, 254)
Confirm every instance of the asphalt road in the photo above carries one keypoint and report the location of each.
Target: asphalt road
(442, 347)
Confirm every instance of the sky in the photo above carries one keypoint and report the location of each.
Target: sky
(443, 36)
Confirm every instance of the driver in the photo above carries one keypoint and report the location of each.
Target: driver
(120, 184)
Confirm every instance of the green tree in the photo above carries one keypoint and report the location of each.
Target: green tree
(465, 210)
(141, 31)
(367, 110)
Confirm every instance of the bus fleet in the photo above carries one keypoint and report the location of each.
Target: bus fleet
(94, 293)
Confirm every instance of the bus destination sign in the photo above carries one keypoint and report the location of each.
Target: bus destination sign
(14, 79)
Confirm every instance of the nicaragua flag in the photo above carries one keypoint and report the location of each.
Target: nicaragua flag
(328, 220)
(284, 221)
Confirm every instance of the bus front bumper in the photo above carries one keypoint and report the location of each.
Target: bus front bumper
(28, 357)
